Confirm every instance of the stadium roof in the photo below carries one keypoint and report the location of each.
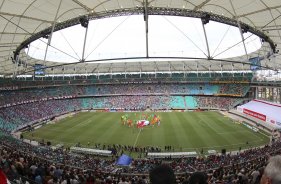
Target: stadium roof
(22, 22)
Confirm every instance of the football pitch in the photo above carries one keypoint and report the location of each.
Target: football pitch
(184, 131)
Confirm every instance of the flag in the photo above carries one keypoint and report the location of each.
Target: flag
(3, 178)
(142, 123)
(124, 160)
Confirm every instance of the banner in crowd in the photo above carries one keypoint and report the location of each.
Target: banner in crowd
(254, 114)
(3, 178)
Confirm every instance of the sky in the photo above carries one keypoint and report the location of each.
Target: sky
(124, 37)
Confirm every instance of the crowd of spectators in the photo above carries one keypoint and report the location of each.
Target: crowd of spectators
(16, 97)
(217, 102)
(44, 165)
(20, 115)
(234, 89)
(20, 96)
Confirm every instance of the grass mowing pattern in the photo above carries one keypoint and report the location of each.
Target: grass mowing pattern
(185, 131)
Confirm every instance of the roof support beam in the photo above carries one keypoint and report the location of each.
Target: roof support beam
(25, 17)
(268, 26)
(171, 66)
(140, 65)
(146, 26)
(50, 36)
(206, 40)
(197, 68)
(206, 67)
(240, 29)
(156, 66)
(95, 68)
(84, 45)
(140, 68)
(110, 69)
(201, 5)
(190, 69)
(278, 30)
(258, 11)
(82, 5)
(11, 33)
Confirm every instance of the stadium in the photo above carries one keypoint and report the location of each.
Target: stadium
(104, 91)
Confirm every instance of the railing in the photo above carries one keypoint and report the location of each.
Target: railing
(90, 151)
(172, 154)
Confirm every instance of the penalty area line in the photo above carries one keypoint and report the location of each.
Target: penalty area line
(137, 138)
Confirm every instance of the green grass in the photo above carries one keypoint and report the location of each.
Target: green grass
(185, 131)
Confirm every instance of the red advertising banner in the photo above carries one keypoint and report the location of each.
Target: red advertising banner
(254, 114)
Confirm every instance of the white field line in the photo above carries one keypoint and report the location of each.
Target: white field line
(137, 138)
